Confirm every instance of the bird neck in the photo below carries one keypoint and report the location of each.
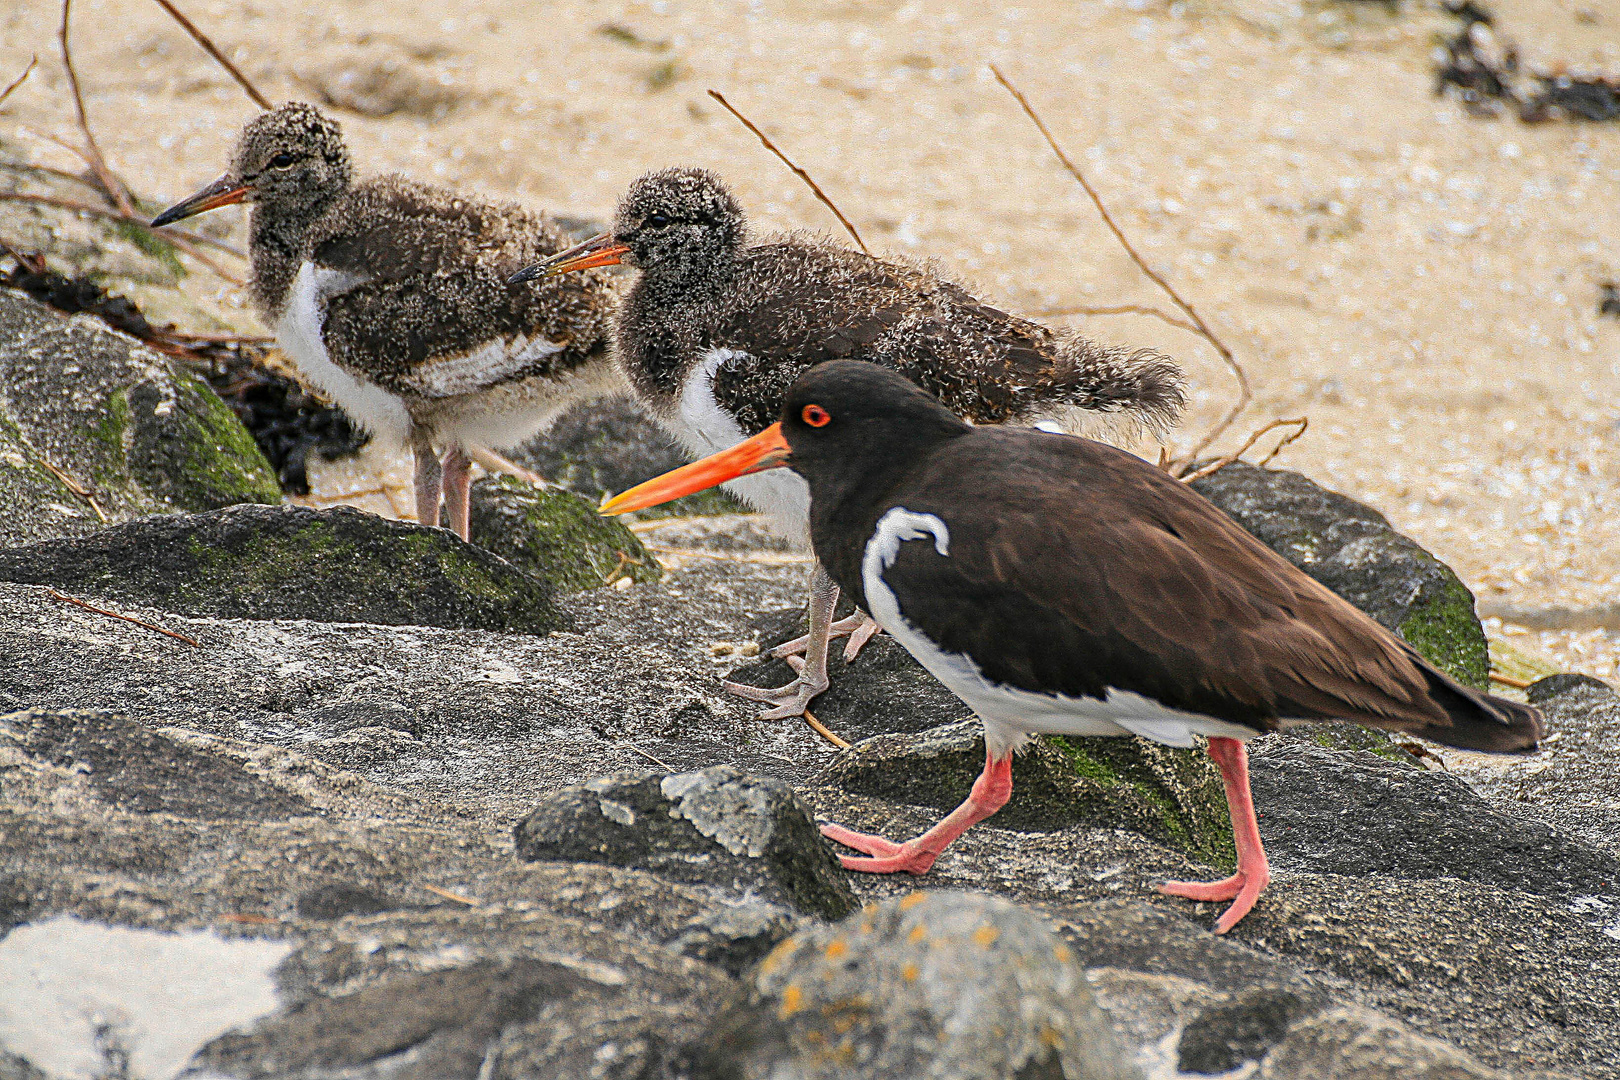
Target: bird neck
(278, 240)
(668, 319)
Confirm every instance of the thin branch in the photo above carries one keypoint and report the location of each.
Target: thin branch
(186, 242)
(193, 642)
(1202, 328)
(1300, 423)
(499, 463)
(1510, 680)
(446, 893)
(19, 80)
(655, 760)
(116, 191)
(824, 731)
(74, 486)
(800, 173)
(202, 39)
(1121, 309)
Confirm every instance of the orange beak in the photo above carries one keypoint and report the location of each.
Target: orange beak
(221, 192)
(599, 250)
(767, 450)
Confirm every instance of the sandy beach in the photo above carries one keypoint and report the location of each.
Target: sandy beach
(1422, 284)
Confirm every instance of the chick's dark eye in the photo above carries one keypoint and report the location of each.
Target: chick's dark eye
(281, 161)
(656, 221)
(816, 416)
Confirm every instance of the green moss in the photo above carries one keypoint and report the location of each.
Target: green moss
(222, 465)
(1448, 634)
(557, 536)
(154, 246)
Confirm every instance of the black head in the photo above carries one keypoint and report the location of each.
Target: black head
(848, 419)
(290, 160)
(679, 220)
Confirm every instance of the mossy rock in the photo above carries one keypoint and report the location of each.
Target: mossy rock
(288, 562)
(556, 535)
(1353, 550)
(1171, 796)
(603, 447)
(137, 435)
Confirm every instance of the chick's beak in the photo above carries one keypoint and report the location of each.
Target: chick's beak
(767, 450)
(600, 250)
(221, 192)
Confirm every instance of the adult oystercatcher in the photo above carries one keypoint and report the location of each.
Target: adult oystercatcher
(1061, 585)
(718, 326)
(391, 297)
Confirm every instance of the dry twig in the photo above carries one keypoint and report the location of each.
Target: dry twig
(447, 894)
(1509, 680)
(193, 642)
(19, 80)
(74, 486)
(1300, 424)
(800, 173)
(656, 761)
(202, 39)
(824, 731)
(1120, 309)
(114, 187)
(186, 241)
(1202, 328)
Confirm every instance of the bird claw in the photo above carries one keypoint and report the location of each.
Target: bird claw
(1242, 888)
(882, 856)
(859, 628)
(786, 701)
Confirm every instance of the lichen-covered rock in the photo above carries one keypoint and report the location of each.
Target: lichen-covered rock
(287, 562)
(736, 937)
(950, 986)
(138, 435)
(1353, 550)
(1359, 814)
(1169, 795)
(556, 535)
(600, 448)
(715, 826)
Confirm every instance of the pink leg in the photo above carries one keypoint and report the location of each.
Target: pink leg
(1242, 888)
(429, 482)
(990, 793)
(861, 628)
(458, 490)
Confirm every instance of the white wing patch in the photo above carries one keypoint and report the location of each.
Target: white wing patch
(1010, 714)
(299, 333)
(489, 364)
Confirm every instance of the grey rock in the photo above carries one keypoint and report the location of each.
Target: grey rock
(286, 562)
(715, 826)
(949, 985)
(1359, 814)
(556, 535)
(1351, 1043)
(139, 435)
(736, 937)
(600, 448)
(1173, 796)
(1353, 550)
(1223, 1035)
(16, 1067)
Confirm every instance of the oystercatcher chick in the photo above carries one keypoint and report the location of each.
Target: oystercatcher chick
(391, 298)
(1061, 585)
(718, 325)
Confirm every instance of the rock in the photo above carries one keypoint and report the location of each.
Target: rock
(600, 448)
(948, 985)
(716, 826)
(556, 536)
(1352, 549)
(288, 562)
(1225, 1034)
(1352, 1043)
(1359, 814)
(1172, 796)
(1572, 781)
(136, 434)
(735, 938)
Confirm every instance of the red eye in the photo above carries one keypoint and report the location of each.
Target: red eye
(816, 416)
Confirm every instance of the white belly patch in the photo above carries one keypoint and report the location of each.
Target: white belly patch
(1010, 714)
(299, 333)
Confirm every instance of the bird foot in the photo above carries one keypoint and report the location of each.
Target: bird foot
(883, 856)
(785, 701)
(1242, 888)
(859, 628)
